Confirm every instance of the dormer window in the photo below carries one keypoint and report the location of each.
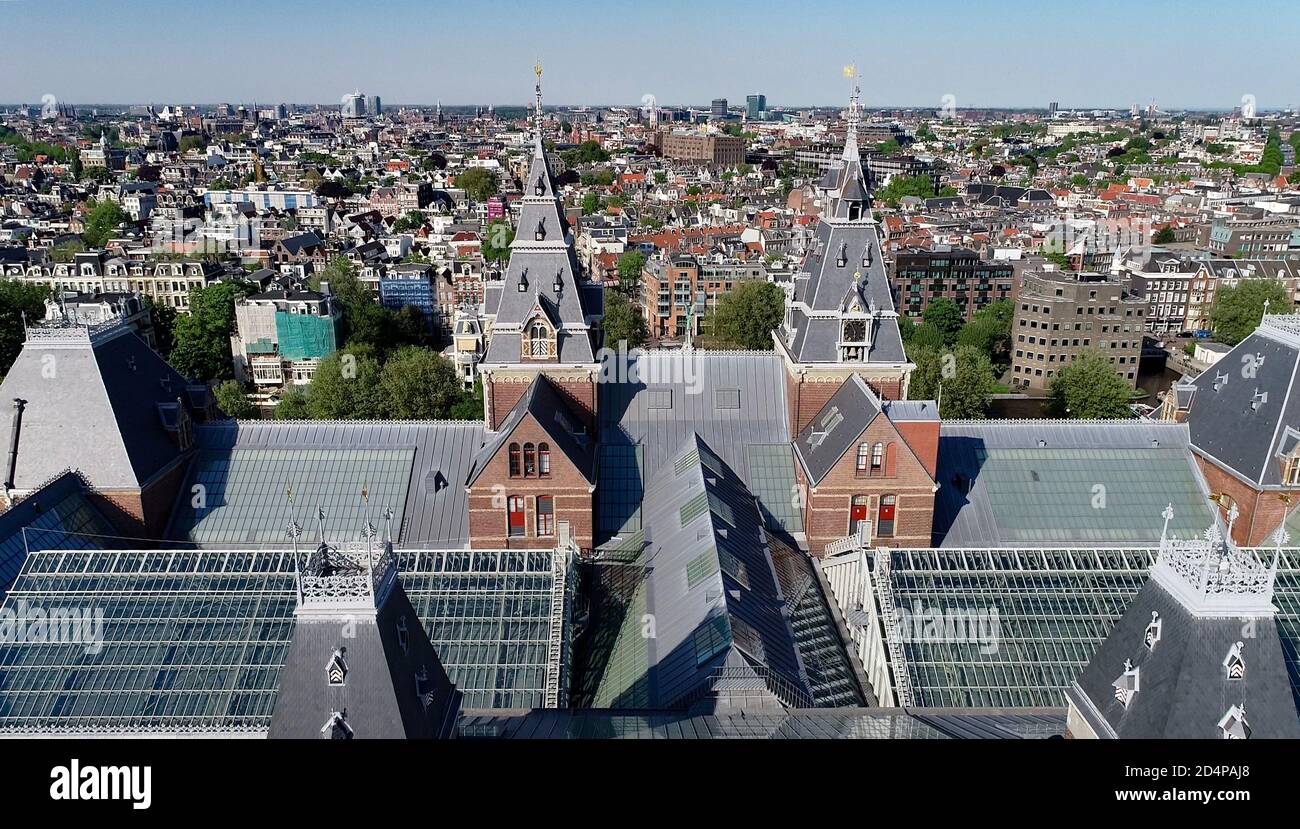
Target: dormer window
(843, 258)
(540, 342)
(540, 233)
(1152, 634)
(540, 187)
(1126, 687)
(1291, 469)
(558, 284)
(424, 688)
(336, 727)
(1234, 665)
(866, 256)
(523, 281)
(337, 670)
(1233, 726)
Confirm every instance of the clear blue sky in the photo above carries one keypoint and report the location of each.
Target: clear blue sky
(1182, 53)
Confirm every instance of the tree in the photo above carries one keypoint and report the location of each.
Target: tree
(747, 316)
(985, 336)
(346, 387)
(496, 241)
(899, 186)
(293, 404)
(588, 152)
(412, 326)
(944, 315)
(1080, 180)
(470, 406)
(925, 336)
(163, 320)
(962, 380)
(1089, 388)
(232, 401)
(1237, 309)
(622, 322)
(630, 265)
(418, 384)
(906, 328)
(411, 221)
(590, 202)
(18, 299)
(1164, 236)
(202, 349)
(102, 219)
(479, 183)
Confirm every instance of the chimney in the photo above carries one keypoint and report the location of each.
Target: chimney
(13, 445)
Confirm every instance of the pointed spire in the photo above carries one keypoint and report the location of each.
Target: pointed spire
(851, 135)
(537, 91)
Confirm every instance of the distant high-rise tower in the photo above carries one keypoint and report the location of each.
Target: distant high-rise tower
(755, 106)
(1052, 108)
(354, 105)
(719, 108)
(376, 108)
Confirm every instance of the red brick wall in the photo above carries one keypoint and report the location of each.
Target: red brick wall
(566, 484)
(923, 437)
(827, 514)
(500, 395)
(1260, 512)
(808, 396)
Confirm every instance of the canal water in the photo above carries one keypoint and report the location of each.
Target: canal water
(1153, 378)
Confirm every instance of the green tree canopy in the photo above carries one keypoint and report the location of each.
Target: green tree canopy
(497, 237)
(293, 404)
(944, 315)
(346, 386)
(926, 335)
(622, 322)
(630, 265)
(1164, 236)
(16, 300)
(962, 380)
(479, 183)
(418, 384)
(102, 220)
(899, 186)
(232, 401)
(163, 319)
(202, 349)
(1089, 388)
(746, 317)
(1238, 308)
(411, 221)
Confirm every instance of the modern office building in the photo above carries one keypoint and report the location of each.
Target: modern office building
(1060, 314)
(718, 108)
(755, 107)
(960, 274)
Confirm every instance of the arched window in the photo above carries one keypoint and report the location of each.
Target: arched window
(864, 451)
(539, 340)
(878, 459)
(530, 460)
(515, 515)
(544, 459)
(514, 460)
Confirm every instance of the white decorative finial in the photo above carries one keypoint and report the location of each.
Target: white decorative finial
(1281, 537)
(1233, 515)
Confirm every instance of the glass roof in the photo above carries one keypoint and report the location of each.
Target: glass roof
(1054, 607)
(188, 641)
(771, 479)
(244, 495)
(621, 489)
(71, 522)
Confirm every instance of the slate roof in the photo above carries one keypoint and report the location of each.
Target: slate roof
(836, 427)
(999, 487)
(554, 414)
(848, 723)
(720, 633)
(246, 467)
(98, 412)
(383, 691)
(1183, 690)
(1253, 388)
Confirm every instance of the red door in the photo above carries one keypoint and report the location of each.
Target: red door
(885, 522)
(516, 508)
(857, 512)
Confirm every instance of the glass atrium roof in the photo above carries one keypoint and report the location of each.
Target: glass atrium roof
(192, 641)
(57, 517)
(1054, 607)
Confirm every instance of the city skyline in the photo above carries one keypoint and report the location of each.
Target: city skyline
(929, 52)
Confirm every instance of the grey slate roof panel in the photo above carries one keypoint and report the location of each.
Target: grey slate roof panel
(836, 427)
(999, 487)
(1249, 444)
(433, 511)
(1183, 690)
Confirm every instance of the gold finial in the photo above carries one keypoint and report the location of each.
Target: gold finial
(850, 71)
(537, 69)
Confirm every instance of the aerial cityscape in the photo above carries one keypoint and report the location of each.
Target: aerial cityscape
(763, 409)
